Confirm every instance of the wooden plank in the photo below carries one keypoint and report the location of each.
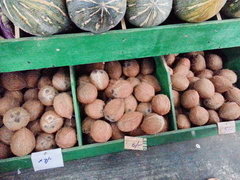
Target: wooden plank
(82, 48)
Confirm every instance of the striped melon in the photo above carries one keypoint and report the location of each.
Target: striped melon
(37, 17)
(232, 9)
(146, 13)
(96, 16)
(197, 10)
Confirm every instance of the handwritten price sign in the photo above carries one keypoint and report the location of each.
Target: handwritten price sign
(47, 159)
(135, 143)
(226, 127)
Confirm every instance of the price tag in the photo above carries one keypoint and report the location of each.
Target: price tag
(226, 127)
(47, 159)
(135, 143)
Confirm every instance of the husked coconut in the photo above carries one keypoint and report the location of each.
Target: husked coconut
(183, 122)
(44, 142)
(13, 81)
(161, 104)
(116, 133)
(221, 83)
(198, 116)
(198, 63)
(66, 137)
(121, 89)
(95, 109)
(35, 108)
(114, 110)
(63, 105)
(44, 81)
(86, 125)
(114, 69)
(206, 73)
(213, 117)
(229, 74)
(144, 92)
(144, 108)
(100, 79)
(190, 75)
(101, 131)
(87, 93)
(176, 98)
(169, 59)
(179, 83)
(108, 91)
(61, 81)
(130, 104)
(5, 135)
(233, 95)
(147, 66)
(134, 81)
(214, 102)
(130, 121)
(31, 94)
(181, 70)
(190, 99)
(31, 78)
(131, 68)
(204, 87)
(46, 95)
(35, 127)
(185, 62)
(17, 95)
(152, 80)
(7, 103)
(214, 62)
(229, 111)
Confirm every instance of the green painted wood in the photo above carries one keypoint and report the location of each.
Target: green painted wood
(82, 48)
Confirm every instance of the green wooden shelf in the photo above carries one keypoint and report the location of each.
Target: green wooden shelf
(82, 48)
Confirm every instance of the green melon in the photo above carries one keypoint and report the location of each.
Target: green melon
(197, 10)
(232, 9)
(146, 13)
(96, 16)
(37, 17)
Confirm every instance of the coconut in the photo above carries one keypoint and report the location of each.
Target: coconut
(213, 117)
(16, 118)
(51, 122)
(179, 83)
(190, 99)
(63, 105)
(116, 133)
(35, 127)
(86, 125)
(130, 121)
(198, 116)
(61, 81)
(45, 141)
(131, 68)
(137, 132)
(161, 104)
(221, 84)
(66, 137)
(35, 109)
(114, 69)
(101, 131)
(206, 73)
(144, 92)
(23, 142)
(185, 62)
(114, 110)
(31, 78)
(229, 74)
(214, 62)
(176, 98)
(150, 79)
(7, 103)
(46, 95)
(233, 95)
(17, 95)
(95, 109)
(130, 104)
(100, 79)
(153, 123)
(13, 81)
(134, 81)
(70, 123)
(198, 63)
(169, 59)
(204, 87)
(144, 108)
(190, 75)
(82, 80)
(44, 81)
(229, 111)
(5, 135)
(31, 94)
(108, 91)
(121, 89)
(215, 102)
(183, 122)
(181, 70)
(147, 66)
(87, 94)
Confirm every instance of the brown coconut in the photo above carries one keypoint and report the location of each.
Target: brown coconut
(31, 78)
(131, 68)
(183, 122)
(46, 95)
(16, 118)
(134, 81)
(35, 108)
(137, 132)
(169, 59)
(198, 116)
(100, 79)
(61, 80)
(214, 62)
(23, 142)
(114, 69)
(17, 95)
(229, 74)
(66, 137)
(108, 91)
(214, 102)
(121, 89)
(114, 110)
(145, 108)
(213, 117)
(229, 111)
(101, 131)
(31, 94)
(86, 125)
(63, 105)
(130, 121)
(176, 98)
(181, 70)
(44, 142)
(87, 94)
(147, 66)
(233, 95)
(35, 127)
(198, 63)
(5, 151)
(204, 87)
(82, 80)
(161, 104)
(95, 109)
(70, 123)
(221, 83)
(7, 103)
(179, 83)
(130, 104)
(206, 73)
(116, 133)
(13, 81)
(5, 135)
(51, 122)
(153, 123)
(44, 81)
(190, 99)
(185, 62)
(152, 80)
(144, 92)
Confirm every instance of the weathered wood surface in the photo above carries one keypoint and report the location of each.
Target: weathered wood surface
(199, 159)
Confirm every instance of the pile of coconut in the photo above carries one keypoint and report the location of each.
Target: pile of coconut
(36, 112)
(122, 98)
(204, 92)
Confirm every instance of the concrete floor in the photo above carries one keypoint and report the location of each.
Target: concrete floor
(199, 159)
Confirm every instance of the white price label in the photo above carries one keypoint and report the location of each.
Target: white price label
(47, 159)
(226, 127)
(135, 143)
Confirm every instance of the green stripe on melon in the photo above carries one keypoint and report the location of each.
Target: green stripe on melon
(232, 9)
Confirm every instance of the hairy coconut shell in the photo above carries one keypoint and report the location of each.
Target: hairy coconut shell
(31, 94)
(221, 84)
(35, 108)
(233, 95)
(144, 92)
(13, 81)
(61, 81)
(214, 62)
(130, 121)
(134, 81)
(206, 73)
(198, 116)
(121, 89)
(144, 108)
(229, 74)
(152, 80)
(31, 78)
(63, 105)
(147, 66)
(229, 111)
(100, 79)
(86, 125)
(35, 127)
(204, 87)
(87, 93)
(46, 95)
(101, 131)
(95, 109)
(214, 102)
(114, 110)
(116, 133)
(66, 137)
(179, 83)
(114, 69)
(131, 68)
(44, 81)
(190, 99)
(176, 98)
(17, 95)
(161, 104)
(44, 142)
(183, 122)
(130, 104)
(213, 117)
(4, 151)
(5, 135)
(7, 103)
(198, 63)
